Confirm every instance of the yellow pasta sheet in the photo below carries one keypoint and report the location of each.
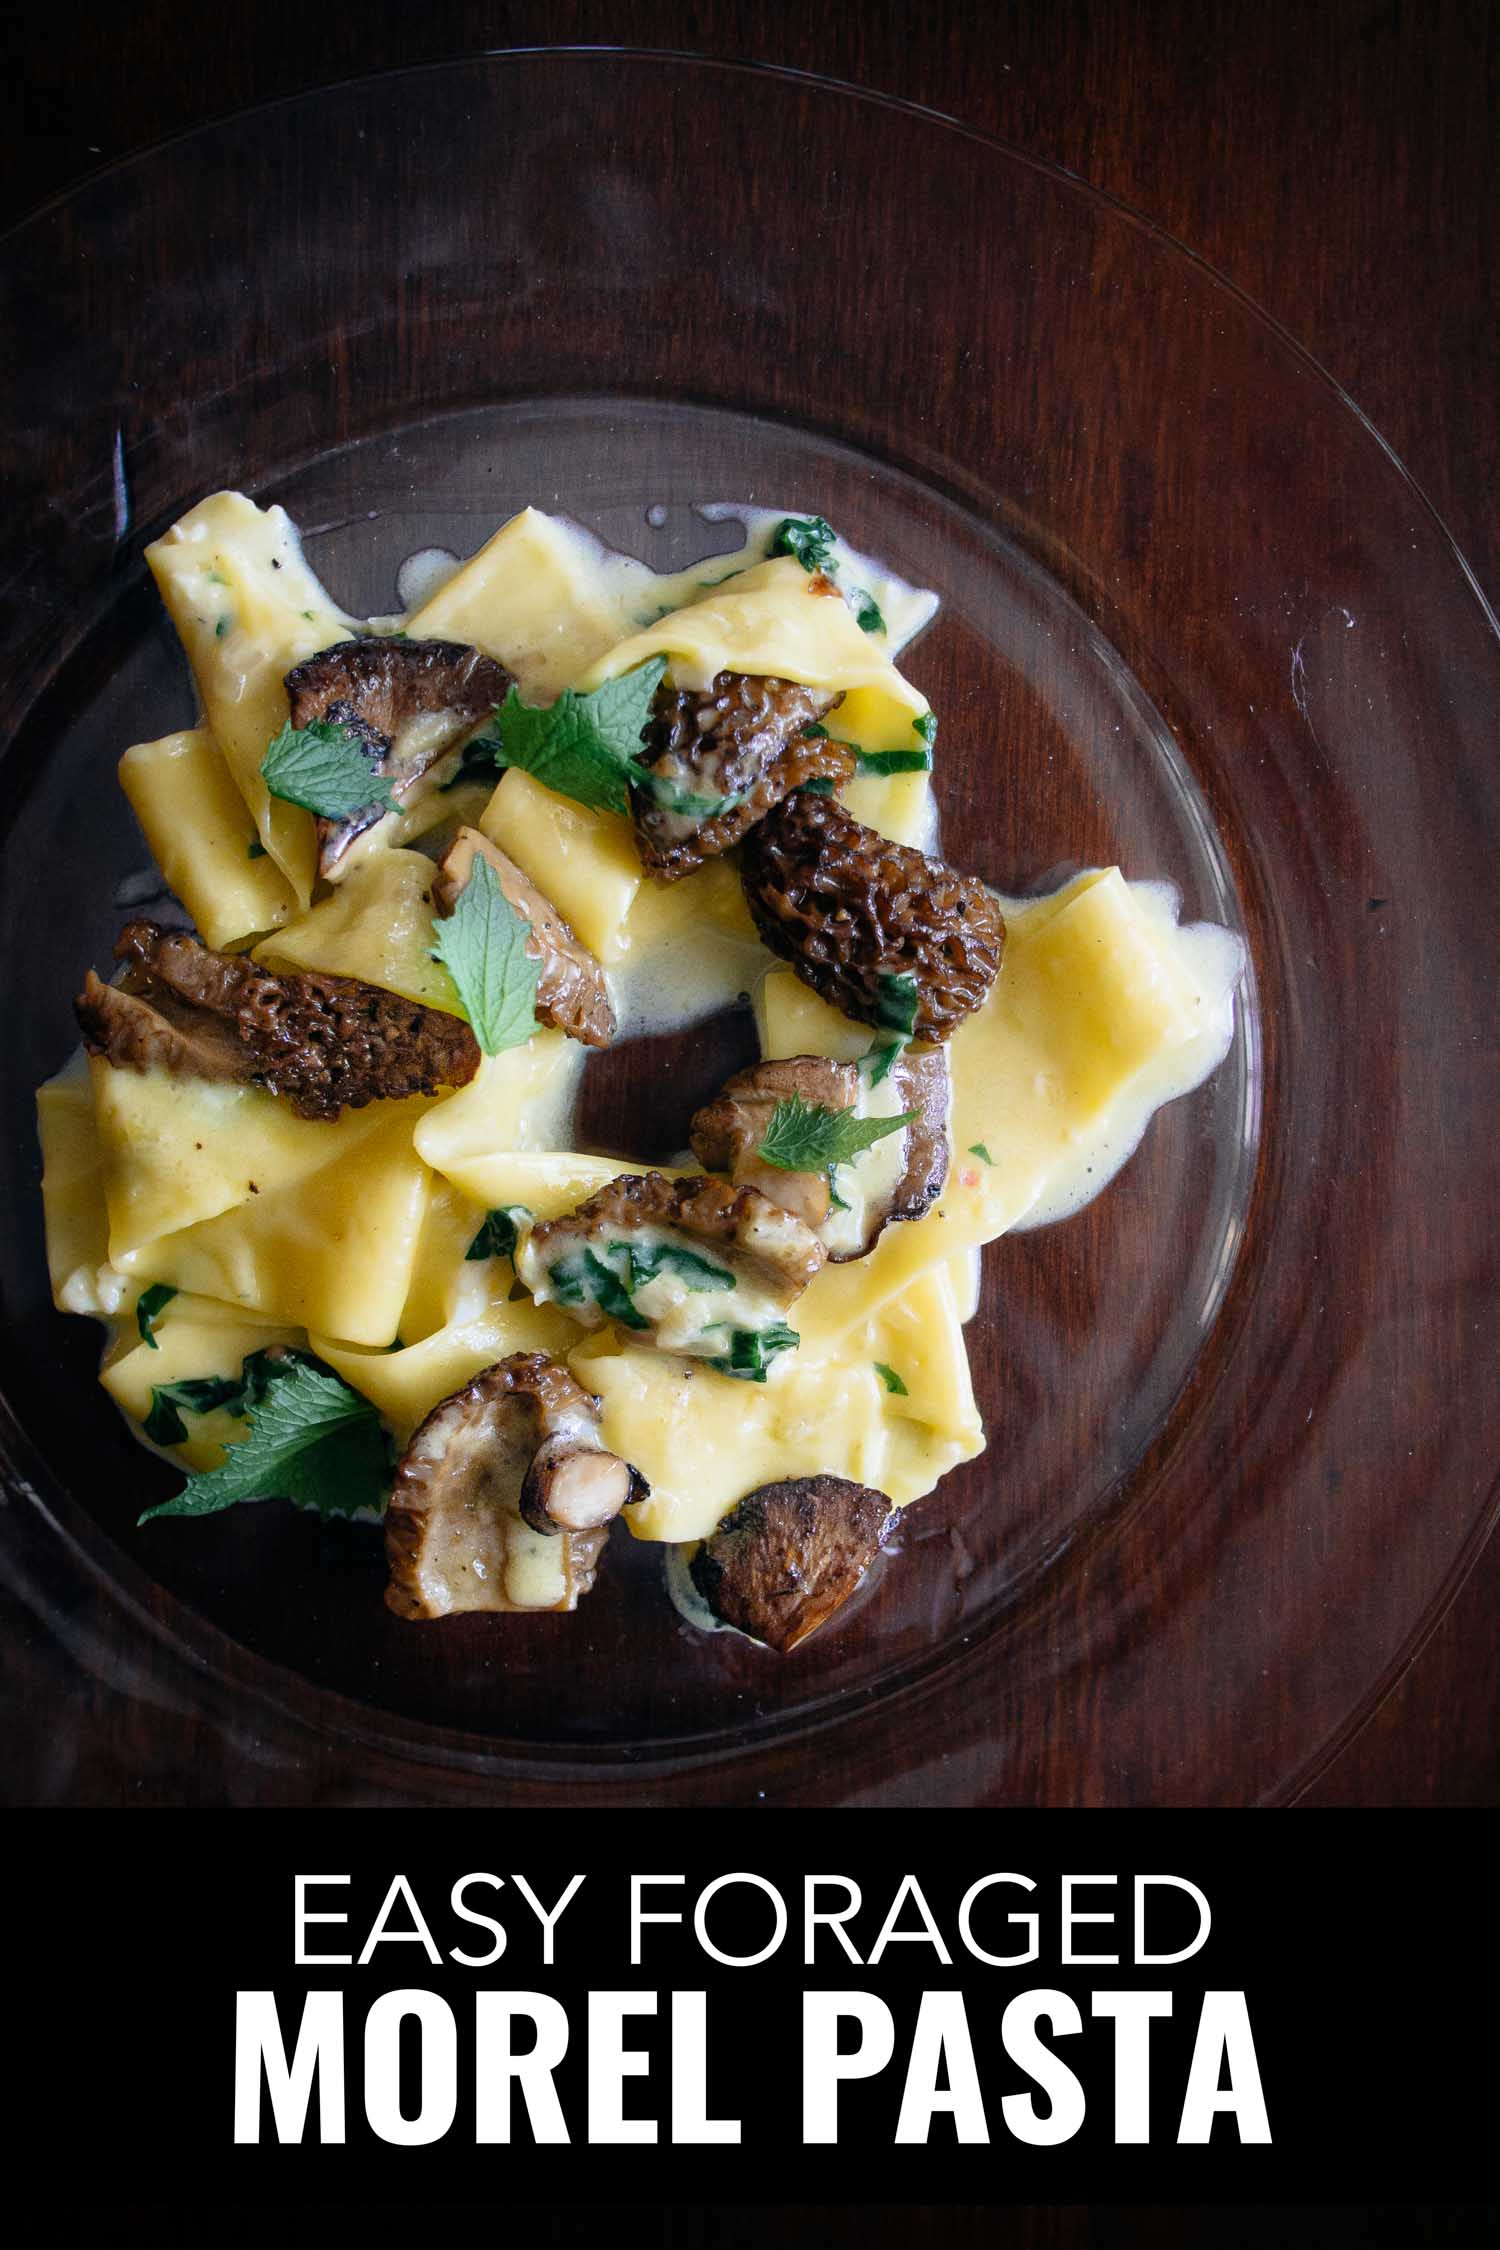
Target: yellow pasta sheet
(77, 1220)
(195, 1337)
(247, 608)
(703, 1440)
(535, 597)
(202, 836)
(376, 926)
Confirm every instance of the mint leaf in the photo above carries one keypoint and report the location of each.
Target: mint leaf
(325, 769)
(807, 1137)
(311, 1440)
(866, 611)
(890, 1378)
(584, 746)
(896, 1004)
(482, 945)
(893, 761)
(501, 1231)
(753, 1350)
(149, 1307)
(820, 786)
(977, 1148)
(809, 538)
(926, 727)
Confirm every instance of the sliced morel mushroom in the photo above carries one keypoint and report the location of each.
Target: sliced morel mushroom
(504, 1497)
(786, 1557)
(718, 758)
(694, 1266)
(898, 1177)
(883, 932)
(571, 992)
(407, 702)
(324, 1044)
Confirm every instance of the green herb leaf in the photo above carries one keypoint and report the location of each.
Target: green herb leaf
(481, 759)
(977, 1148)
(753, 1350)
(809, 538)
(926, 727)
(311, 1440)
(814, 731)
(482, 945)
(700, 1274)
(199, 1395)
(501, 1231)
(149, 1307)
(896, 1004)
(866, 611)
(325, 769)
(893, 761)
(807, 1137)
(820, 786)
(879, 1061)
(833, 1189)
(584, 746)
(890, 1378)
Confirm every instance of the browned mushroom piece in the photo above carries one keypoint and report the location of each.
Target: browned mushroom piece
(786, 1557)
(408, 703)
(899, 1177)
(324, 1044)
(736, 747)
(504, 1497)
(872, 926)
(690, 1265)
(571, 992)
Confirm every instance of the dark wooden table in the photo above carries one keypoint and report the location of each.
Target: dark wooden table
(1336, 160)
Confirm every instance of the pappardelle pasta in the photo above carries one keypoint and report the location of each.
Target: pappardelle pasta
(316, 1166)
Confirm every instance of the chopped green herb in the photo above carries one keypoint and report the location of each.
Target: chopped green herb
(481, 759)
(833, 1190)
(866, 611)
(610, 1293)
(311, 1440)
(199, 1395)
(217, 578)
(700, 1274)
(890, 1378)
(821, 786)
(808, 1137)
(897, 1002)
(149, 1306)
(878, 1061)
(584, 746)
(753, 1350)
(325, 769)
(501, 1231)
(482, 944)
(977, 1148)
(809, 538)
(814, 731)
(926, 727)
(222, 627)
(894, 761)
(257, 850)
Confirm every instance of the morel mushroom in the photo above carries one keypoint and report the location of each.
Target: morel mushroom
(718, 758)
(324, 1044)
(786, 1557)
(408, 703)
(899, 1177)
(889, 935)
(504, 1497)
(693, 1266)
(571, 992)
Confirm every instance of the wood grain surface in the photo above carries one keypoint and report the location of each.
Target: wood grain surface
(1335, 162)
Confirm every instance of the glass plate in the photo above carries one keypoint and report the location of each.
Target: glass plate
(1195, 620)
